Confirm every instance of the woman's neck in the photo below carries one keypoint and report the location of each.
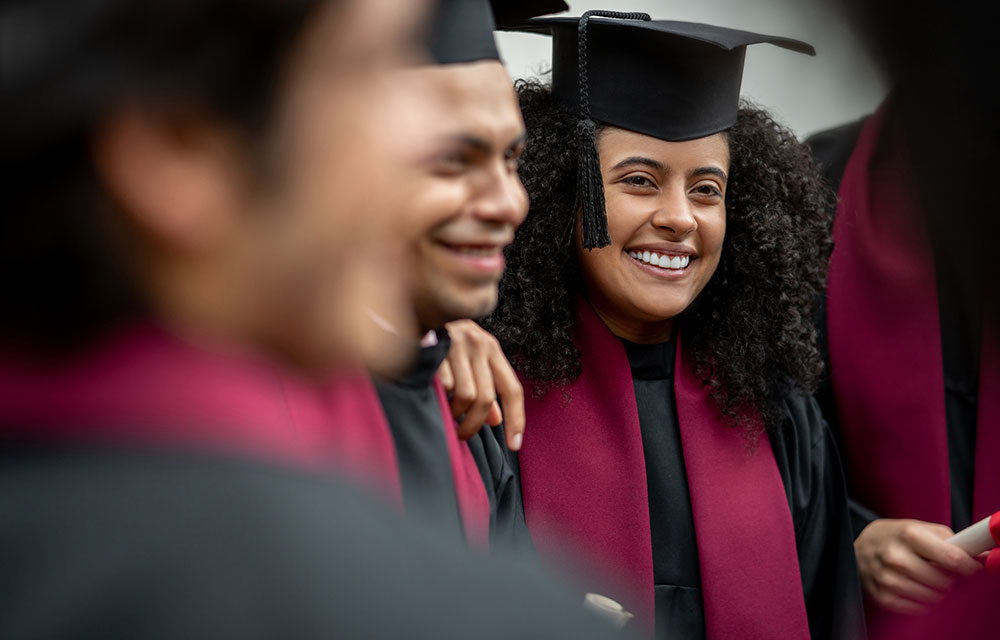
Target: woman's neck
(637, 331)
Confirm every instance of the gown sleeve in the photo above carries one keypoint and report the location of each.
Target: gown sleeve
(810, 468)
(498, 467)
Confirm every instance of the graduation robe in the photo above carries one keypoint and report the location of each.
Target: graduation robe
(146, 388)
(116, 534)
(471, 485)
(914, 391)
(156, 488)
(636, 470)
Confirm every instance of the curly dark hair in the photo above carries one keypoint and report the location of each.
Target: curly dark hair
(750, 331)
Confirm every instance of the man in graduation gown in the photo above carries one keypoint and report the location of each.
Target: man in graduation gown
(172, 269)
(463, 212)
(914, 372)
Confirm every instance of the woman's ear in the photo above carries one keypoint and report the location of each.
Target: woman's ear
(178, 183)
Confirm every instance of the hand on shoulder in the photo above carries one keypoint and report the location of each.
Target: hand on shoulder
(480, 379)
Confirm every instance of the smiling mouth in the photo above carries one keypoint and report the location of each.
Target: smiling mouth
(475, 249)
(661, 261)
(484, 259)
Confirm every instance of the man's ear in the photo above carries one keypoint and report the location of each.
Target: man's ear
(179, 183)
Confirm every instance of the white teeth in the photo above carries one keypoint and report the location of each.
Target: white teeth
(662, 261)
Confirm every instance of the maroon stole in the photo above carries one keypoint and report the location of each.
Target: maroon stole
(584, 484)
(146, 388)
(885, 346)
(473, 503)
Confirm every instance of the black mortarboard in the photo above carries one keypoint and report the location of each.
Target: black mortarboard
(462, 30)
(670, 80)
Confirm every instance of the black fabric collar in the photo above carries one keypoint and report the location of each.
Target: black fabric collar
(421, 374)
(650, 361)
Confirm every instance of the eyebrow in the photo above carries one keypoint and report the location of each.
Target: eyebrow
(659, 166)
(640, 160)
(715, 171)
(482, 145)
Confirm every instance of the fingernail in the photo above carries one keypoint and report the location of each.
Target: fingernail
(516, 442)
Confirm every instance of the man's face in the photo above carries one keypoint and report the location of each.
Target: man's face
(327, 251)
(466, 198)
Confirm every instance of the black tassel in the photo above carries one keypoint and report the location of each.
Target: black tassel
(590, 188)
(589, 182)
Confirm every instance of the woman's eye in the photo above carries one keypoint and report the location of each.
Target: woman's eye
(638, 181)
(708, 190)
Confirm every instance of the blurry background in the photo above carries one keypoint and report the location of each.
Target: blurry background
(808, 94)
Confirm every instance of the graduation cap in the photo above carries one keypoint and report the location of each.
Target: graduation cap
(671, 80)
(462, 30)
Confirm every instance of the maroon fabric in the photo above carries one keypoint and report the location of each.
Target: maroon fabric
(146, 387)
(584, 484)
(358, 393)
(473, 503)
(746, 539)
(967, 613)
(885, 345)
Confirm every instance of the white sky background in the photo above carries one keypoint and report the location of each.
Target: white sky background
(839, 84)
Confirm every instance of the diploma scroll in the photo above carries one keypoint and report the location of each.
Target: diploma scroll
(978, 538)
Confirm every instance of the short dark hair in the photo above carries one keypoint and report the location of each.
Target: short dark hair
(65, 274)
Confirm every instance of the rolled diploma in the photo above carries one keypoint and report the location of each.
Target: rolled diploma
(607, 608)
(975, 539)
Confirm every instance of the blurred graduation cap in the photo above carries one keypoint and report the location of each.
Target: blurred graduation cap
(462, 30)
(671, 80)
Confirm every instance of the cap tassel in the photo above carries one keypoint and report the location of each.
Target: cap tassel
(590, 188)
(590, 182)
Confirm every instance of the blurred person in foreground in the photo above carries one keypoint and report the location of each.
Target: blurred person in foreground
(183, 209)
(910, 314)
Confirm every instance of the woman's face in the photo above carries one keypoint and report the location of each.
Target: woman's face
(667, 220)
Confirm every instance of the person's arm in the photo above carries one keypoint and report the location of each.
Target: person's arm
(480, 379)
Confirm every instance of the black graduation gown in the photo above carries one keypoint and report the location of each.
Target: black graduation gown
(108, 543)
(814, 485)
(414, 416)
(961, 326)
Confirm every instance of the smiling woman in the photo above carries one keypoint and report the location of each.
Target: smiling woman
(771, 213)
(657, 307)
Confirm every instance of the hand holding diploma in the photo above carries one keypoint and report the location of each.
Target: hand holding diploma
(982, 537)
(907, 565)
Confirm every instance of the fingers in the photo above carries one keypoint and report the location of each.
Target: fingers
(446, 377)
(928, 541)
(511, 393)
(495, 416)
(926, 585)
(480, 374)
(906, 564)
(475, 414)
(463, 381)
